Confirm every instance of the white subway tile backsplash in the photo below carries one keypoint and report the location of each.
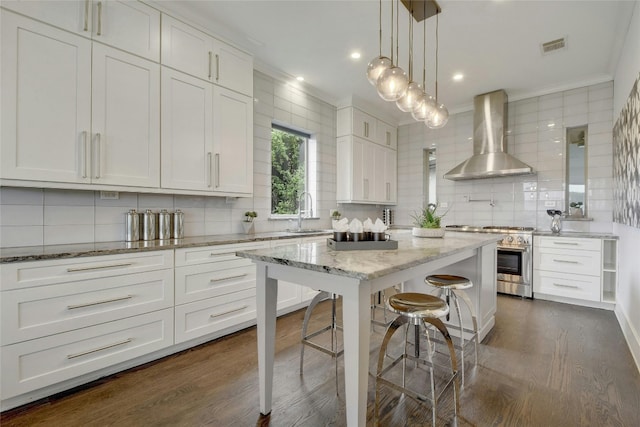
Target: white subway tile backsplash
(109, 215)
(21, 196)
(20, 215)
(68, 215)
(55, 197)
(65, 234)
(25, 235)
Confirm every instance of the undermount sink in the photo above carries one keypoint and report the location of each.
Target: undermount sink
(306, 231)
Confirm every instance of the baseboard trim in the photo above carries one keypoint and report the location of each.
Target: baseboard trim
(630, 334)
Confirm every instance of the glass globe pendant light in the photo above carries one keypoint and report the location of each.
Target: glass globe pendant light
(392, 83)
(440, 117)
(408, 101)
(425, 104)
(380, 63)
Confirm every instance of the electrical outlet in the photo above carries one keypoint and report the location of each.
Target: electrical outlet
(549, 204)
(109, 195)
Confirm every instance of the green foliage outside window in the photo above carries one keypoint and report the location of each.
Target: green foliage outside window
(287, 171)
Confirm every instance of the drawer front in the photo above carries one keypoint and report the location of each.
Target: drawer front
(567, 285)
(205, 281)
(568, 243)
(207, 254)
(214, 314)
(36, 312)
(578, 262)
(39, 363)
(38, 273)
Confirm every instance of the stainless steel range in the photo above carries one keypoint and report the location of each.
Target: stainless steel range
(515, 269)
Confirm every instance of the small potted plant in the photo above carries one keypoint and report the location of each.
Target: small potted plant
(335, 215)
(575, 209)
(427, 223)
(247, 223)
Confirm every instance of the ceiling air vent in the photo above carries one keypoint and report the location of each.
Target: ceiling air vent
(554, 45)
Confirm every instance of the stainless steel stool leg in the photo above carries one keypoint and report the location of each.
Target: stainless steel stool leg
(457, 306)
(321, 296)
(469, 304)
(391, 329)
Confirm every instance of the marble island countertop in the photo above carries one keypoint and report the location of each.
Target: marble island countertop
(370, 264)
(36, 253)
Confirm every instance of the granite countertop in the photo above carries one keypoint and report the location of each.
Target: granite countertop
(37, 253)
(577, 234)
(370, 264)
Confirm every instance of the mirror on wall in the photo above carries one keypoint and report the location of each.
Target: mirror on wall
(429, 177)
(576, 171)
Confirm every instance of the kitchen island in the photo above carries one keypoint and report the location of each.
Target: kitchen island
(355, 275)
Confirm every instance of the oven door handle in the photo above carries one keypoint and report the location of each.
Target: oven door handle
(513, 249)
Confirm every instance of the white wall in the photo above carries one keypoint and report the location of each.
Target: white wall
(628, 295)
(535, 135)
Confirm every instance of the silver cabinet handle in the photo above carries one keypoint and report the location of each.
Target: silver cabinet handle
(388, 190)
(210, 55)
(564, 286)
(217, 67)
(86, 16)
(213, 316)
(104, 347)
(96, 156)
(104, 301)
(227, 278)
(222, 253)
(566, 243)
(84, 154)
(209, 166)
(217, 170)
(388, 138)
(99, 32)
(366, 188)
(100, 267)
(565, 261)
(366, 129)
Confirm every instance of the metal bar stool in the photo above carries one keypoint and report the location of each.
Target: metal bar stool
(418, 310)
(452, 287)
(333, 327)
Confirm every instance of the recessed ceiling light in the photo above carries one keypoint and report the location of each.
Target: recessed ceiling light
(300, 78)
(458, 77)
(355, 55)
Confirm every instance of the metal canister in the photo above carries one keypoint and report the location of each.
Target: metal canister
(148, 225)
(387, 217)
(164, 225)
(177, 224)
(132, 226)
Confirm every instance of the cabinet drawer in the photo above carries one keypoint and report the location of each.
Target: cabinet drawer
(214, 314)
(568, 243)
(575, 261)
(38, 273)
(38, 363)
(567, 285)
(210, 280)
(36, 312)
(208, 254)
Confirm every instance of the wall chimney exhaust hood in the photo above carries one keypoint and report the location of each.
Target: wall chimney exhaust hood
(490, 158)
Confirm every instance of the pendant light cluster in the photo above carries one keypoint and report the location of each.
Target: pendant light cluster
(393, 83)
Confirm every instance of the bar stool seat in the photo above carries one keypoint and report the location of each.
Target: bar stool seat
(417, 309)
(452, 287)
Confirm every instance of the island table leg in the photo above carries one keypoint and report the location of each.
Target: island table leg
(266, 298)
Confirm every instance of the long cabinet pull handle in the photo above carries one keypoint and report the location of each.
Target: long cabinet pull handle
(210, 171)
(99, 32)
(566, 243)
(217, 67)
(388, 190)
(564, 286)
(84, 154)
(388, 138)
(96, 155)
(227, 278)
(213, 316)
(104, 301)
(104, 347)
(86, 16)
(217, 170)
(565, 261)
(210, 55)
(99, 267)
(222, 253)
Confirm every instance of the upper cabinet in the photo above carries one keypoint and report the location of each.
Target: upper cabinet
(128, 25)
(194, 52)
(94, 119)
(353, 121)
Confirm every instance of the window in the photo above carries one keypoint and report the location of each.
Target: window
(289, 169)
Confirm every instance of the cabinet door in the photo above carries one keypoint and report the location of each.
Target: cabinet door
(233, 141)
(126, 119)
(233, 68)
(369, 179)
(187, 131)
(70, 15)
(186, 49)
(387, 135)
(364, 125)
(390, 177)
(128, 25)
(46, 102)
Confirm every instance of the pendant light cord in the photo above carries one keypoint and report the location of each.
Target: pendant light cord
(380, 24)
(424, 55)
(411, 44)
(391, 32)
(437, 45)
(398, 31)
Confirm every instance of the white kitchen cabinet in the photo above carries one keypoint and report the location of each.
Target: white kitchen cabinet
(194, 52)
(232, 142)
(354, 121)
(84, 123)
(574, 269)
(125, 119)
(390, 177)
(187, 132)
(46, 102)
(387, 135)
(128, 25)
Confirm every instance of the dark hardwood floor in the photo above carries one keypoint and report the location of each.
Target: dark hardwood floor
(544, 364)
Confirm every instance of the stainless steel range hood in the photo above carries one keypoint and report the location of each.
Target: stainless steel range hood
(490, 158)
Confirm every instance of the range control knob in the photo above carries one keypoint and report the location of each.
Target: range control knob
(509, 239)
(520, 240)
